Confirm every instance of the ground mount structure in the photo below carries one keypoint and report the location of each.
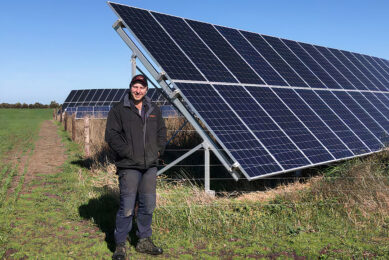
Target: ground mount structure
(266, 105)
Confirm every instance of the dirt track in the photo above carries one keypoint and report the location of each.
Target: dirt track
(49, 152)
(48, 155)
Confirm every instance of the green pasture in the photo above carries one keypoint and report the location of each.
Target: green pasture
(342, 214)
(18, 127)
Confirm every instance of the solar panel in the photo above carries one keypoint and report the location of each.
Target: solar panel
(273, 105)
(105, 97)
(98, 102)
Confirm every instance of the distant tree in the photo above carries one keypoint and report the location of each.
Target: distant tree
(53, 104)
(39, 105)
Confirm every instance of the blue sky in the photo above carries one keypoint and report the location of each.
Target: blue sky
(49, 47)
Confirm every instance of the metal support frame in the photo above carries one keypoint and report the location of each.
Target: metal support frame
(133, 65)
(208, 143)
(179, 159)
(207, 172)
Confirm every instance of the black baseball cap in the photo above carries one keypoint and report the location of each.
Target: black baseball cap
(139, 79)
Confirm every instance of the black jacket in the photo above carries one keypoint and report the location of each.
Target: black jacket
(135, 142)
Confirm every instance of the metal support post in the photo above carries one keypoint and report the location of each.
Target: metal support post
(207, 175)
(133, 65)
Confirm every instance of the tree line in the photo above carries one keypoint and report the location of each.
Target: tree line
(52, 104)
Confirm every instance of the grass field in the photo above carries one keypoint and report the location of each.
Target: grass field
(18, 132)
(19, 127)
(342, 212)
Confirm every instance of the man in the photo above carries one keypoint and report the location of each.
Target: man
(136, 132)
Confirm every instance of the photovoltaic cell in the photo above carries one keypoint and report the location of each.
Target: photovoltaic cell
(197, 51)
(381, 63)
(383, 98)
(158, 43)
(356, 126)
(110, 97)
(327, 66)
(342, 68)
(96, 97)
(363, 115)
(89, 97)
(291, 125)
(83, 95)
(314, 123)
(334, 122)
(255, 60)
(372, 110)
(225, 52)
(264, 128)
(118, 95)
(352, 68)
(243, 146)
(362, 68)
(273, 58)
(376, 69)
(312, 64)
(77, 95)
(386, 62)
(294, 62)
(373, 98)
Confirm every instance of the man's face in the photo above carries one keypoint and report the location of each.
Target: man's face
(138, 91)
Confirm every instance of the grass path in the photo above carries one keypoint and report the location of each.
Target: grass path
(37, 216)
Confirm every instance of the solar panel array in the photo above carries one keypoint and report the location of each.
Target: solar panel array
(95, 112)
(104, 97)
(98, 102)
(274, 105)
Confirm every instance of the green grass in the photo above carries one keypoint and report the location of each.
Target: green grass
(341, 214)
(19, 127)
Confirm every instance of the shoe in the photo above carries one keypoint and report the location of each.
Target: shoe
(120, 252)
(146, 245)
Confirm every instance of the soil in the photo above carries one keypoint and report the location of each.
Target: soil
(49, 152)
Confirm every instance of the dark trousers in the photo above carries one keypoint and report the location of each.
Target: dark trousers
(136, 185)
